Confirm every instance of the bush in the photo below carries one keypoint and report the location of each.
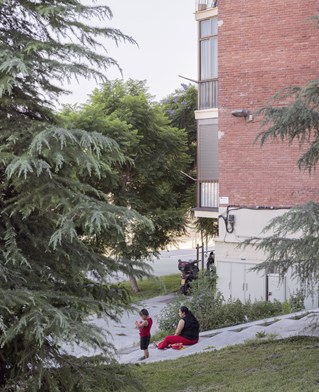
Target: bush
(212, 311)
(297, 301)
(263, 309)
(286, 309)
(169, 316)
(234, 313)
(205, 302)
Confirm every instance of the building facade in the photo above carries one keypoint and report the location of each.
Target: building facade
(248, 51)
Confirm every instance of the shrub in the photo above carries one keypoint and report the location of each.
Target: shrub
(206, 302)
(297, 301)
(286, 309)
(263, 309)
(234, 313)
(169, 318)
(211, 309)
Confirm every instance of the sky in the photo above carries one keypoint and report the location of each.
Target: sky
(166, 33)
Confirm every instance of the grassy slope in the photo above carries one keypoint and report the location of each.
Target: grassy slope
(157, 286)
(285, 365)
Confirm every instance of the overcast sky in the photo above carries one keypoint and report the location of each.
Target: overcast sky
(166, 33)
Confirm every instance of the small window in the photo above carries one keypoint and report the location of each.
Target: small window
(208, 28)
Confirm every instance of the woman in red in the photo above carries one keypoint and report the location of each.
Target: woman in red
(187, 331)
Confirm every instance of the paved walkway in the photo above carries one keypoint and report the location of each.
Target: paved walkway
(275, 328)
(125, 337)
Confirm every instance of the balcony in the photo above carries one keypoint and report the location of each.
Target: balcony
(202, 5)
(208, 94)
(209, 194)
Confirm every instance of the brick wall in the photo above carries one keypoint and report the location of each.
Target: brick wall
(264, 45)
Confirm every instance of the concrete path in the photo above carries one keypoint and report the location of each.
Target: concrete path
(274, 328)
(123, 335)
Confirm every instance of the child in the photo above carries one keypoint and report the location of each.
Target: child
(145, 332)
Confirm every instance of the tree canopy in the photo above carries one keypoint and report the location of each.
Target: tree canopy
(156, 153)
(54, 213)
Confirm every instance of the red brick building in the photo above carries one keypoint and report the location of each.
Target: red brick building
(263, 46)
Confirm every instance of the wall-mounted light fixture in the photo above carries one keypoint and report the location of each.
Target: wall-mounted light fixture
(247, 114)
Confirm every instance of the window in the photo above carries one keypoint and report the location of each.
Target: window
(208, 49)
(208, 163)
(208, 63)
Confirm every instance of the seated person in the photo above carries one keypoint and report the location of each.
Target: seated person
(187, 331)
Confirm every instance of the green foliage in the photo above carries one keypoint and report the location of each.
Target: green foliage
(298, 121)
(152, 287)
(263, 309)
(204, 298)
(207, 227)
(286, 307)
(82, 375)
(212, 311)
(52, 41)
(294, 244)
(169, 315)
(180, 107)
(55, 219)
(286, 365)
(149, 179)
(261, 334)
(297, 301)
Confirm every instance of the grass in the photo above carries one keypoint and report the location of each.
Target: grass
(153, 287)
(281, 365)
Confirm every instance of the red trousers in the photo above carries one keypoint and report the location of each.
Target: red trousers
(175, 339)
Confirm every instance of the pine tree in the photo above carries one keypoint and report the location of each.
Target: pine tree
(294, 242)
(53, 274)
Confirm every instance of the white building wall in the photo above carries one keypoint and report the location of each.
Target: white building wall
(234, 262)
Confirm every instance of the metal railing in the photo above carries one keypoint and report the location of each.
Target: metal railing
(209, 194)
(208, 94)
(202, 5)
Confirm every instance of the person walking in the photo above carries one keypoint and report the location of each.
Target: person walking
(144, 327)
(187, 331)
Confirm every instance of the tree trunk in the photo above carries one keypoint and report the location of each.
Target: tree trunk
(134, 286)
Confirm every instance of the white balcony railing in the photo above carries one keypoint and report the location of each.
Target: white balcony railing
(202, 5)
(209, 194)
(208, 94)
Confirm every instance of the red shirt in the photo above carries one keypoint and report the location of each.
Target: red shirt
(146, 331)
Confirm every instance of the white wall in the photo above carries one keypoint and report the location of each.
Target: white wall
(234, 263)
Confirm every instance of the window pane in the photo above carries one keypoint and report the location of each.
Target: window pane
(205, 28)
(209, 58)
(206, 59)
(208, 27)
(214, 44)
(214, 26)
